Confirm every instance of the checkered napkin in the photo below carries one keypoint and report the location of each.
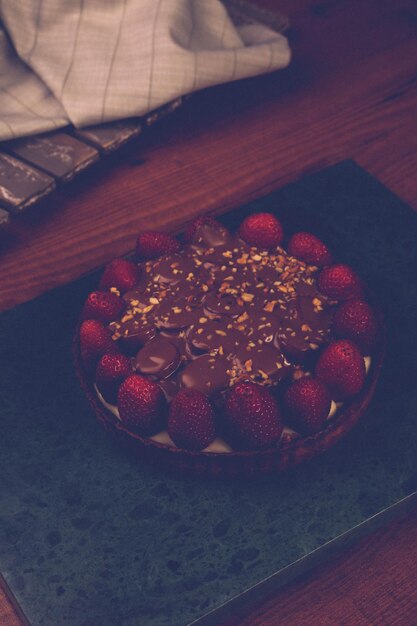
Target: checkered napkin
(91, 61)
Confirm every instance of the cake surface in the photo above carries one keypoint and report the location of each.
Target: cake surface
(240, 345)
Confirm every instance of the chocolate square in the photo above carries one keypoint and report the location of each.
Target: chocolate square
(4, 217)
(58, 154)
(20, 184)
(110, 137)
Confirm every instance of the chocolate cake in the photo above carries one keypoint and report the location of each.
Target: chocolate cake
(205, 348)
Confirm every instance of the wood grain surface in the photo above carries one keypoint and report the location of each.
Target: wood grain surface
(372, 584)
(350, 92)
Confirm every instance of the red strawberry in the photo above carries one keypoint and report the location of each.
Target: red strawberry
(310, 249)
(121, 274)
(341, 367)
(308, 401)
(111, 371)
(340, 282)
(151, 244)
(356, 320)
(262, 230)
(95, 340)
(103, 306)
(253, 415)
(191, 420)
(142, 405)
(197, 223)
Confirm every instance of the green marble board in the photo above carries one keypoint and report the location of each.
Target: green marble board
(90, 538)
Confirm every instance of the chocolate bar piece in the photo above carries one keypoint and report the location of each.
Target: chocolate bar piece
(58, 154)
(4, 217)
(163, 111)
(109, 137)
(20, 184)
(245, 12)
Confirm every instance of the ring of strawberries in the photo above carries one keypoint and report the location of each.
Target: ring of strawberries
(273, 426)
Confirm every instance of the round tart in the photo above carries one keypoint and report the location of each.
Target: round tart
(230, 354)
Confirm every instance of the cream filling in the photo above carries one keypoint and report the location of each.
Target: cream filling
(219, 445)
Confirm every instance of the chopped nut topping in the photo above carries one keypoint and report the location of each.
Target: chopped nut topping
(269, 306)
(298, 374)
(243, 317)
(247, 297)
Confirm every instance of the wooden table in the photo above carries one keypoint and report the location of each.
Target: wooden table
(350, 92)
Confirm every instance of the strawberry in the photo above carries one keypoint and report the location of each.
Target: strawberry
(191, 420)
(262, 230)
(340, 282)
(253, 416)
(308, 401)
(310, 249)
(152, 243)
(356, 320)
(142, 405)
(95, 340)
(341, 367)
(103, 306)
(112, 369)
(195, 225)
(120, 274)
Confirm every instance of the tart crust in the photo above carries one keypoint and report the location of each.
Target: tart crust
(278, 458)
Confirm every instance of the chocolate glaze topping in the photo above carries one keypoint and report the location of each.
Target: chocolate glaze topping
(221, 311)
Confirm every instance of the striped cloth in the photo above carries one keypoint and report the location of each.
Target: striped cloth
(90, 61)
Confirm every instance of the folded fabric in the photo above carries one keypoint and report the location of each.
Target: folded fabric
(91, 61)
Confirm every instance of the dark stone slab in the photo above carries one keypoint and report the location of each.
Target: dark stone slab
(58, 154)
(87, 536)
(110, 137)
(20, 184)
